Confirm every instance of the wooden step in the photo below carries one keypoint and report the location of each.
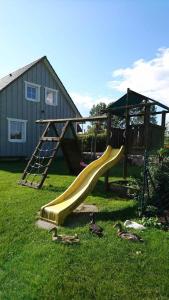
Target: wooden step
(29, 184)
(50, 139)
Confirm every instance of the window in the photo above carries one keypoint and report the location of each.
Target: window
(16, 130)
(51, 96)
(32, 91)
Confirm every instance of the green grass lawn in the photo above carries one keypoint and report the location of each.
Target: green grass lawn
(33, 267)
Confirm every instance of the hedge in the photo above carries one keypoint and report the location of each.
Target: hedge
(87, 140)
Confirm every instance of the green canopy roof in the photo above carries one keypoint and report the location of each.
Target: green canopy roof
(130, 98)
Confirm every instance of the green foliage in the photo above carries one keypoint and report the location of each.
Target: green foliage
(164, 152)
(153, 118)
(151, 222)
(97, 126)
(86, 141)
(166, 140)
(118, 122)
(96, 109)
(151, 210)
(140, 119)
(136, 184)
(160, 176)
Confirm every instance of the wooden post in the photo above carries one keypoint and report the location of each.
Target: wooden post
(108, 129)
(163, 125)
(125, 164)
(146, 127)
(108, 142)
(95, 140)
(163, 118)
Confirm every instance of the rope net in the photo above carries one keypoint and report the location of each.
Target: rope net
(40, 162)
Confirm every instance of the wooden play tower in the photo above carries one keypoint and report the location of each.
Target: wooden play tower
(137, 138)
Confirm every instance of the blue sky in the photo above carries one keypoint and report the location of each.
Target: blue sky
(97, 48)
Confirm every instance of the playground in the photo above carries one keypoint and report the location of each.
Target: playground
(142, 137)
(95, 268)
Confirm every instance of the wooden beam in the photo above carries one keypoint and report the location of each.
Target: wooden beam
(50, 139)
(109, 118)
(127, 107)
(125, 164)
(151, 113)
(159, 104)
(79, 120)
(146, 126)
(163, 119)
(106, 177)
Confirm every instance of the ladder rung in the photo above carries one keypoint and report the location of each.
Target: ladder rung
(28, 183)
(41, 159)
(50, 139)
(44, 157)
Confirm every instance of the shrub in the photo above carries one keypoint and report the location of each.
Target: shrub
(161, 179)
(164, 152)
(86, 141)
(151, 222)
(159, 190)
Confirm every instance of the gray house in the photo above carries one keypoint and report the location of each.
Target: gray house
(30, 93)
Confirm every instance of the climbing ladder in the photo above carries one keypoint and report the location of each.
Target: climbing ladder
(37, 168)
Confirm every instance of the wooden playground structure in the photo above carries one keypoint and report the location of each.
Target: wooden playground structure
(61, 134)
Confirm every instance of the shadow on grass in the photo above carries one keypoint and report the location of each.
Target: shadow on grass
(82, 218)
(100, 191)
(56, 189)
(58, 167)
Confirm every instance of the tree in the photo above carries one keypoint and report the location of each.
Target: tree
(96, 109)
(140, 119)
(97, 126)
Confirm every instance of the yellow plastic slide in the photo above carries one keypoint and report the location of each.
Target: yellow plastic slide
(57, 210)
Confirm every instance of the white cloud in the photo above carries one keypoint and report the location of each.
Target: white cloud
(149, 77)
(85, 102)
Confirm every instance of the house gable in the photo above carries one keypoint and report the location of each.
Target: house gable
(13, 104)
(14, 76)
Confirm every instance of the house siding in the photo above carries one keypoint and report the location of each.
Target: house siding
(14, 105)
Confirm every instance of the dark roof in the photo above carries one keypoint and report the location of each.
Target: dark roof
(5, 81)
(131, 98)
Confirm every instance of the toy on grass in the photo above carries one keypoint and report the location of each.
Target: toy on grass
(94, 228)
(83, 164)
(65, 239)
(127, 235)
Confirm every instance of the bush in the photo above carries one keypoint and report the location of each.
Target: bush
(161, 179)
(159, 191)
(151, 222)
(164, 153)
(86, 141)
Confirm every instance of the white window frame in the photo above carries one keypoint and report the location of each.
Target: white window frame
(23, 140)
(52, 90)
(38, 91)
